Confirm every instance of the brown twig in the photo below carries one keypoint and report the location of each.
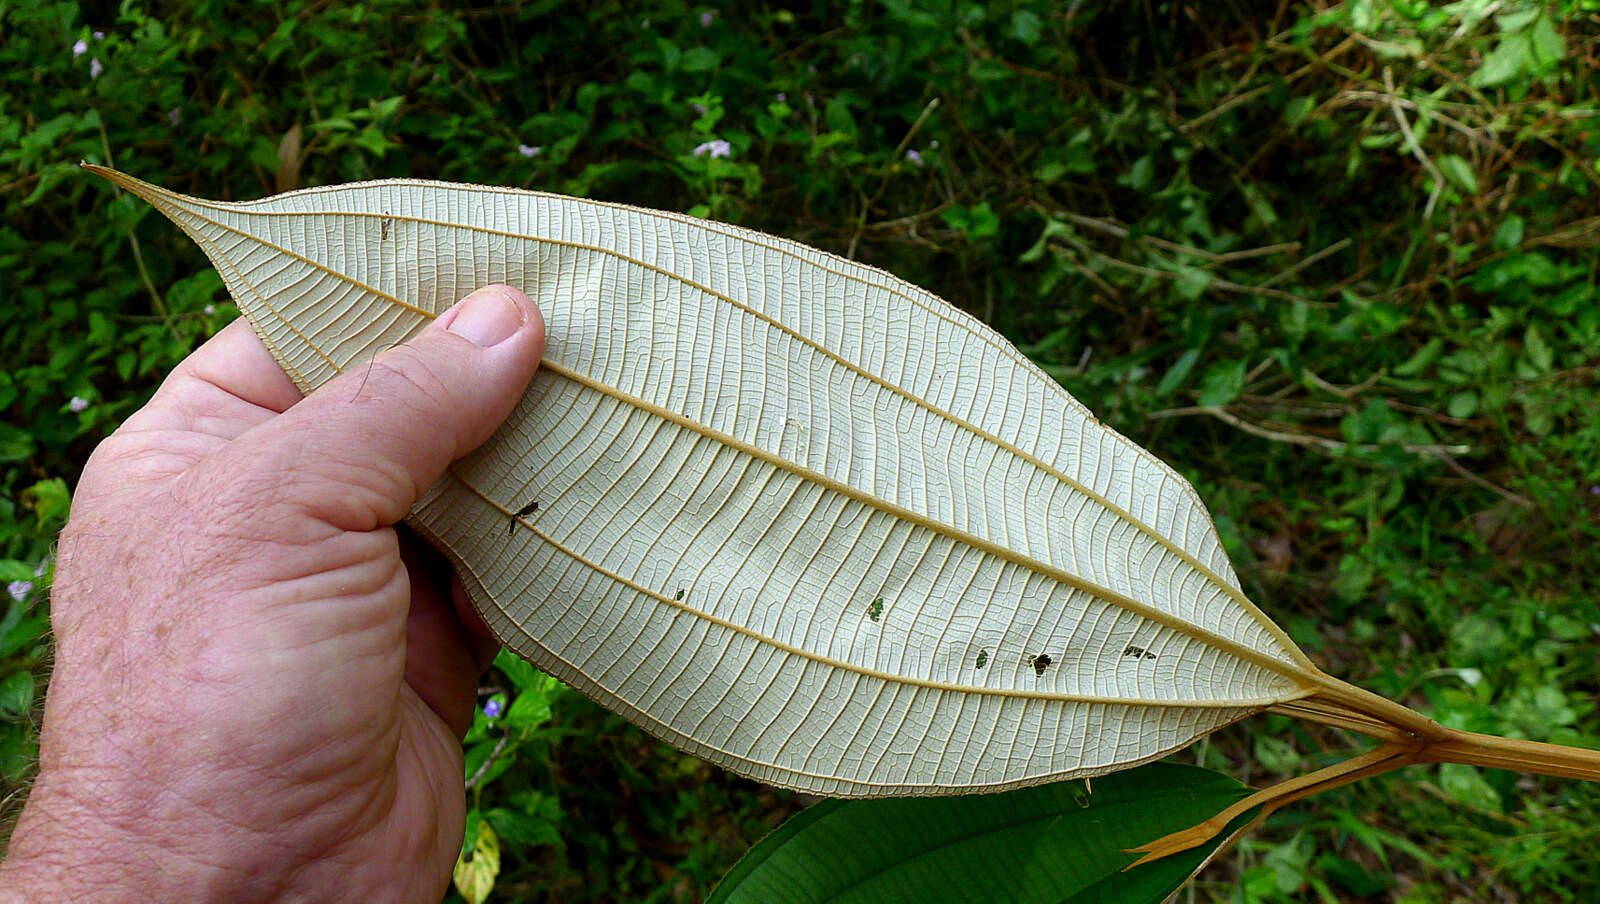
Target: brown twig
(1302, 439)
(1305, 262)
(483, 768)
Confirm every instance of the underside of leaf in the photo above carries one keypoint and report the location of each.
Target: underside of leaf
(785, 511)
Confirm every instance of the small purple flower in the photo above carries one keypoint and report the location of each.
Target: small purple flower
(19, 590)
(780, 97)
(99, 36)
(914, 157)
(95, 67)
(934, 143)
(174, 116)
(209, 309)
(79, 48)
(1594, 491)
(716, 148)
(707, 17)
(699, 109)
(529, 150)
(493, 708)
(77, 404)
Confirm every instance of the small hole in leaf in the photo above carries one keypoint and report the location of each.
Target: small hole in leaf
(983, 658)
(876, 609)
(680, 594)
(1039, 663)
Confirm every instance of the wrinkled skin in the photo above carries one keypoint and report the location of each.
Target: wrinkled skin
(261, 684)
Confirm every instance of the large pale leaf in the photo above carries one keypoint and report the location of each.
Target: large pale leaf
(795, 515)
(740, 446)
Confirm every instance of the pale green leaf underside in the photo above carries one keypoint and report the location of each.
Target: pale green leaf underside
(796, 516)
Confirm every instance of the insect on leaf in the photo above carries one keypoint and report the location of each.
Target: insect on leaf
(790, 433)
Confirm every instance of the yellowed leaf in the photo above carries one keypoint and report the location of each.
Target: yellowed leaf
(477, 869)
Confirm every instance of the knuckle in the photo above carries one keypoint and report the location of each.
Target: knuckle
(419, 380)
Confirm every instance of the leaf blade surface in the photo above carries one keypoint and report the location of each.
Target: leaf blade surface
(793, 514)
(1051, 843)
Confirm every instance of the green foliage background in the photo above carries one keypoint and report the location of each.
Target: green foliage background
(1338, 264)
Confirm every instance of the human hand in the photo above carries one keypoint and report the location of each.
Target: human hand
(260, 686)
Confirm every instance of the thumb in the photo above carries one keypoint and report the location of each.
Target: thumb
(359, 451)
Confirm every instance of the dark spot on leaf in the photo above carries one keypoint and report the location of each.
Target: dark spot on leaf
(983, 658)
(680, 594)
(523, 512)
(876, 609)
(1137, 652)
(1039, 663)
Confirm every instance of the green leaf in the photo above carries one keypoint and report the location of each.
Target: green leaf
(1026, 27)
(699, 59)
(1467, 784)
(1538, 419)
(1052, 229)
(839, 118)
(372, 141)
(16, 695)
(518, 670)
(1192, 283)
(535, 824)
(49, 498)
(1176, 374)
(1463, 404)
(530, 710)
(1297, 108)
(18, 751)
(15, 444)
(1505, 62)
(1459, 173)
(1362, 16)
(17, 630)
(1139, 175)
(1547, 45)
(1259, 205)
(1518, 18)
(1539, 353)
(1222, 383)
(670, 54)
(1421, 358)
(475, 872)
(983, 223)
(1056, 843)
(1508, 234)
(977, 221)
